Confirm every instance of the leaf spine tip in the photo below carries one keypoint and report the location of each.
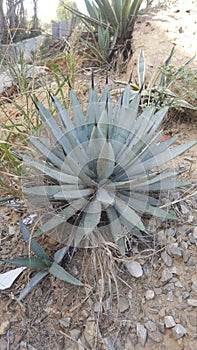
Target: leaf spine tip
(69, 84)
(107, 78)
(92, 80)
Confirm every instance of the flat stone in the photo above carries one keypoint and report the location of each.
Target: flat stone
(166, 275)
(178, 284)
(192, 302)
(123, 304)
(97, 307)
(153, 311)
(161, 327)
(184, 209)
(195, 232)
(194, 287)
(169, 321)
(192, 240)
(186, 295)
(175, 251)
(168, 287)
(151, 326)
(186, 255)
(134, 268)
(193, 320)
(75, 333)
(170, 296)
(65, 322)
(156, 336)
(179, 331)
(150, 294)
(162, 312)
(166, 258)
(141, 333)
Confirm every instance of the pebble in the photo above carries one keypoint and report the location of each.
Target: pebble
(169, 321)
(194, 287)
(190, 261)
(171, 232)
(166, 275)
(65, 322)
(75, 333)
(186, 295)
(150, 294)
(195, 232)
(178, 284)
(192, 302)
(151, 326)
(168, 287)
(175, 251)
(193, 320)
(184, 209)
(153, 311)
(97, 307)
(134, 268)
(162, 312)
(166, 258)
(179, 331)
(156, 336)
(161, 327)
(170, 296)
(192, 240)
(123, 304)
(141, 333)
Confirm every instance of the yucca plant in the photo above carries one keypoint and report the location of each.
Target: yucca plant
(101, 169)
(110, 24)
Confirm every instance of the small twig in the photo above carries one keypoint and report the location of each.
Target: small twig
(179, 200)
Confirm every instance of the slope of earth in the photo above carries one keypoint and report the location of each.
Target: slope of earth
(115, 310)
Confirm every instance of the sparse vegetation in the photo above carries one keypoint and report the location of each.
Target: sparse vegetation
(97, 205)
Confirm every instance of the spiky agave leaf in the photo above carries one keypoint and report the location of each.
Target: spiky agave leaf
(103, 169)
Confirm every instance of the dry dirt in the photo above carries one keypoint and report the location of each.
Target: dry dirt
(105, 314)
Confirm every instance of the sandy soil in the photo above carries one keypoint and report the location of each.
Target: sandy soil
(106, 313)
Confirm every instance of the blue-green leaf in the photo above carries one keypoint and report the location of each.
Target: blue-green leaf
(58, 271)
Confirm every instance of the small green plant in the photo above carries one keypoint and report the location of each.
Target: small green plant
(41, 262)
(100, 172)
(164, 88)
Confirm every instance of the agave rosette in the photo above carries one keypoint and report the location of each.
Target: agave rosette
(101, 169)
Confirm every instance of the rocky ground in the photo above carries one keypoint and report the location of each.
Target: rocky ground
(147, 302)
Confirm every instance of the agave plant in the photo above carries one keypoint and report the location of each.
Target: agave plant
(110, 24)
(102, 169)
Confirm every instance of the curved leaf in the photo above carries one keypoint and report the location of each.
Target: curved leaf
(58, 271)
(128, 213)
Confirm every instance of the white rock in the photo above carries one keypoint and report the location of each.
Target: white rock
(134, 268)
(150, 294)
(195, 232)
(65, 322)
(179, 331)
(166, 275)
(141, 333)
(194, 286)
(192, 302)
(169, 321)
